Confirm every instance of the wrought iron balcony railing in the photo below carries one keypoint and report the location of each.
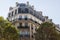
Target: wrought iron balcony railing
(23, 26)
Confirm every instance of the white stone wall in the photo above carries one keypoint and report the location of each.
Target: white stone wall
(28, 16)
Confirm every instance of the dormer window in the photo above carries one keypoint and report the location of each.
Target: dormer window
(22, 5)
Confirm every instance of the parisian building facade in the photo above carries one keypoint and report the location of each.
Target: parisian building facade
(26, 19)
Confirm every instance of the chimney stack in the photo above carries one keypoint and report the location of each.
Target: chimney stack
(27, 3)
(33, 6)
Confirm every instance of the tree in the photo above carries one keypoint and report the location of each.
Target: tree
(10, 33)
(46, 31)
(7, 30)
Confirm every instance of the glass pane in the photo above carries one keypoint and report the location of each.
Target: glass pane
(19, 10)
(26, 10)
(15, 11)
(12, 13)
(9, 14)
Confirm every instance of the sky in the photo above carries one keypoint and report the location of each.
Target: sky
(50, 8)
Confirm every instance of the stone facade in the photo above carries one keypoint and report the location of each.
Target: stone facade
(26, 19)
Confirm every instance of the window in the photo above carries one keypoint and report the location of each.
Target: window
(20, 24)
(19, 10)
(43, 19)
(23, 10)
(9, 14)
(26, 17)
(26, 10)
(20, 17)
(24, 33)
(32, 36)
(16, 11)
(32, 28)
(31, 11)
(26, 24)
(12, 13)
(22, 5)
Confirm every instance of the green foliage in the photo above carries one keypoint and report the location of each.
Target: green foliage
(47, 31)
(10, 32)
(7, 30)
